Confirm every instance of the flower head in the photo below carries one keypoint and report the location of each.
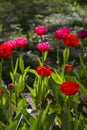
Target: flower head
(11, 44)
(21, 42)
(61, 32)
(44, 46)
(71, 40)
(40, 30)
(43, 71)
(1, 92)
(5, 51)
(11, 87)
(82, 34)
(69, 67)
(69, 88)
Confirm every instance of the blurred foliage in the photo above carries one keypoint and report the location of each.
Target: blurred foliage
(29, 12)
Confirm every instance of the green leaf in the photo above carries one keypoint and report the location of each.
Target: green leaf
(36, 125)
(12, 77)
(45, 55)
(67, 123)
(40, 63)
(3, 127)
(57, 78)
(16, 66)
(34, 72)
(45, 113)
(82, 87)
(13, 125)
(49, 121)
(66, 55)
(3, 114)
(31, 90)
(20, 87)
(29, 119)
(22, 103)
(18, 118)
(81, 61)
(21, 64)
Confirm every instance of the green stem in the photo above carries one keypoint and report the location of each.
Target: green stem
(41, 92)
(43, 58)
(12, 65)
(58, 54)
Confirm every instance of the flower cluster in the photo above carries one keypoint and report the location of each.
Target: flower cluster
(69, 88)
(43, 46)
(69, 39)
(7, 47)
(61, 32)
(43, 71)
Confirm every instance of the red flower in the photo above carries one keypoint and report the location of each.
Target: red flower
(5, 51)
(21, 42)
(40, 30)
(61, 32)
(82, 33)
(43, 71)
(69, 67)
(44, 46)
(70, 40)
(69, 88)
(1, 92)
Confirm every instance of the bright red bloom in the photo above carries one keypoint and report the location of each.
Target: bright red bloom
(61, 32)
(71, 40)
(69, 88)
(82, 33)
(21, 42)
(11, 44)
(69, 67)
(44, 46)
(40, 30)
(43, 71)
(5, 51)
(1, 92)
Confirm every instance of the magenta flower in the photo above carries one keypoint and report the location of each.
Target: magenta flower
(40, 30)
(21, 42)
(61, 32)
(11, 44)
(44, 46)
(82, 33)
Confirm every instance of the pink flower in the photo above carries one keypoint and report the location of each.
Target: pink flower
(11, 44)
(44, 46)
(40, 30)
(82, 33)
(21, 42)
(61, 32)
